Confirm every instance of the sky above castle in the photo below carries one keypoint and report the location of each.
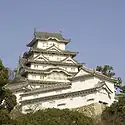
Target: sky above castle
(96, 28)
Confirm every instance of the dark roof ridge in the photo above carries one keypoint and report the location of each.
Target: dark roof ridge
(31, 49)
(47, 36)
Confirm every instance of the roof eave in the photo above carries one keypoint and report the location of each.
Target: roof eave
(43, 39)
(73, 54)
(104, 77)
(98, 74)
(32, 42)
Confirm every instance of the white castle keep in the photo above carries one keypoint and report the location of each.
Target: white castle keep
(48, 76)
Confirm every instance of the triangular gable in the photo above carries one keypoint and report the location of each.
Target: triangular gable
(81, 73)
(40, 57)
(53, 48)
(107, 88)
(104, 86)
(69, 60)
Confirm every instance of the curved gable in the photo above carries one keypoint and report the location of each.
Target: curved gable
(59, 70)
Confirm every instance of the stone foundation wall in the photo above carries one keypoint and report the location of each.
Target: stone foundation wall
(93, 111)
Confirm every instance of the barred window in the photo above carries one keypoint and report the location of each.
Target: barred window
(62, 104)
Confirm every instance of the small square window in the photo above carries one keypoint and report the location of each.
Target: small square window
(35, 66)
(41, 77)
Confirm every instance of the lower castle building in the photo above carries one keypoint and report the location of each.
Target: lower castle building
(48, 76)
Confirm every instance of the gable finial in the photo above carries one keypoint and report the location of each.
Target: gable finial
(60, 32)
(34, 32)
(18, 67)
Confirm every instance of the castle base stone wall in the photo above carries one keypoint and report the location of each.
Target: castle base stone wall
(93, 111)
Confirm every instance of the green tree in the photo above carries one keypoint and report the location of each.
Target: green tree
(5, 118)
(7, 99)
(115, 114)
(106, 70)
(3, 75)
(54, 117)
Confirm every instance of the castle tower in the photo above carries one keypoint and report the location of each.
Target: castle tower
(48, 76)
(47, 63)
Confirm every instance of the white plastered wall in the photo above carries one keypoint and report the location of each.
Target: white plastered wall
(77, 86)
(82, 84)
(50, 57)
(49, 77)
(49, 43)
(47, 66)
(70, 102)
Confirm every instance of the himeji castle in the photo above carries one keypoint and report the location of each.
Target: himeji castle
(48, 76)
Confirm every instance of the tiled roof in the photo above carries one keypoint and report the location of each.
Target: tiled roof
(50, 88)
(59, 96)
(66, 52)
(93, 72)
(46, 36)
(48, 82)
(47, 71)
(49, 62)
(63, 95)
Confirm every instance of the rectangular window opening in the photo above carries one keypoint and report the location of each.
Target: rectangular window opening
(62, 104)
(90, 99)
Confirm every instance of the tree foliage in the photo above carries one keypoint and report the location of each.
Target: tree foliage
(5, 118)
(1, 64)
(43, 117)
(3, 75)
(7, 99)
(115, 114)
(47, 117)
(108, 71)
(54, 117)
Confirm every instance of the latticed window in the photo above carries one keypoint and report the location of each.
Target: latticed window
(54, 75)
(44, 44)
(72, 69)
(44, 66)
(47, 45)
(34, 76)
(36, 66)
(41, 77)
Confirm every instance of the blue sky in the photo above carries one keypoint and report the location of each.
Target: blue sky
(96, 28)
